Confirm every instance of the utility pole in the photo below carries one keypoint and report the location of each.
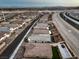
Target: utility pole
(3, 15)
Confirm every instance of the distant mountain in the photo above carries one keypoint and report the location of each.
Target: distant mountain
(40, 8)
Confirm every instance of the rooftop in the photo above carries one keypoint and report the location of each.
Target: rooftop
(39, 38)
(33, 50)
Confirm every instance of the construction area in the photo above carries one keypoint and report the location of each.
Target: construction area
(32, 35)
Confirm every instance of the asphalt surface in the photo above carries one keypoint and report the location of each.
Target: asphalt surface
(10, 49)
(68, 32)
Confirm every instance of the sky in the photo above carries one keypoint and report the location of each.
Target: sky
(38, 3)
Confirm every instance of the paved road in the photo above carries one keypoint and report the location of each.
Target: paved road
(11, 48)
(69, 33)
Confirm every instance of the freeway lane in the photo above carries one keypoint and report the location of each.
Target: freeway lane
(71, 16)
(69, 33)
(71, 21)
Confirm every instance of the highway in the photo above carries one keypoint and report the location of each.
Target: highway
(68, 32)
(70, 20)
(66, 25)
(71, 16)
